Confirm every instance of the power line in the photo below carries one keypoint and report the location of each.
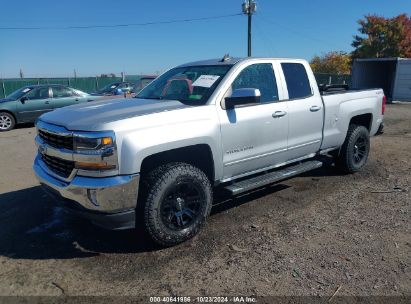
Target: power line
(266, 39)
(118, 25)
(296, 32)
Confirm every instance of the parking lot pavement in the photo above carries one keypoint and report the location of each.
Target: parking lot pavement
(306, 236)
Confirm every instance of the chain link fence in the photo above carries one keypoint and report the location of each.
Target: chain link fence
(91, 84)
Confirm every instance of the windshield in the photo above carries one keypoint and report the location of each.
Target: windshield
(190, 85)
(19, 93)
(109, 88)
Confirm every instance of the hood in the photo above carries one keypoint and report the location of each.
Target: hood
(5, 100)
(92, 115)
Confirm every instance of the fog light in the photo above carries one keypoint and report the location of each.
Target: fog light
(92, 196)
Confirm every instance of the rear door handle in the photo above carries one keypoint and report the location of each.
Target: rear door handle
(47, 102)
(277, 114)
(315, 108)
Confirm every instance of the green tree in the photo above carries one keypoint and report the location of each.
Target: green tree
(332, 63)
(383, 37)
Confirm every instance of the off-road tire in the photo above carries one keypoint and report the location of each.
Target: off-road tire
(7, 120)
(157, 185)
(346, 159)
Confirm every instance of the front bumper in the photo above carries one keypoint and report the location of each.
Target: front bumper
(109, 202)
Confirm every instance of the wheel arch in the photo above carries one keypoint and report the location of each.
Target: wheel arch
(362, 120)
(11, 113)
(199, 155)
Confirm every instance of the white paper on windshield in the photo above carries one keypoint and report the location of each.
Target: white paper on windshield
(26, 90)
(112, 87)
(205, 81)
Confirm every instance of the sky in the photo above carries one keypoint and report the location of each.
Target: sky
(281, 28)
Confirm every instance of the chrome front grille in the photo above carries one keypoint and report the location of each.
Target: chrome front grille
(59, 166)
(55, 140)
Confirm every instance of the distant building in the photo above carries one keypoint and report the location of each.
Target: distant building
(111, 75)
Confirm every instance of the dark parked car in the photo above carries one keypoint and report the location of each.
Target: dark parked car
(115, 88)
(29, 102)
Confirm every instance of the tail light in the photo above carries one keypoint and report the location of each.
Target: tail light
(384, 101)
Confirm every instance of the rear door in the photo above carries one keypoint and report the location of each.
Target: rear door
(63, 96)
(38, 102)
(254, 136)
(305, 110)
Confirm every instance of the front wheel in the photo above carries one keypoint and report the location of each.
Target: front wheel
(7, 121)
(178, 202)
(354, 152)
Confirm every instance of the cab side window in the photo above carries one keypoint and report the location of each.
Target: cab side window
(61, 92)
(258, 76)
(296, 77)
(40, 93)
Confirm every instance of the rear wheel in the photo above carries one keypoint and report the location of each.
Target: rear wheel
(354, 152)
(178, 201)
(7, 121)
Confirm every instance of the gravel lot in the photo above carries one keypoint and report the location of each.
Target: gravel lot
(309, 235)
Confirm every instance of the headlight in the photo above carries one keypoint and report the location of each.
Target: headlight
(95, 151)
(92, 144)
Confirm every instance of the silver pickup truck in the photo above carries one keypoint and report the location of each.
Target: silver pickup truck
(236, 124)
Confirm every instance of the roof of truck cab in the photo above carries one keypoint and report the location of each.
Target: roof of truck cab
(218, 61)
(231, 61)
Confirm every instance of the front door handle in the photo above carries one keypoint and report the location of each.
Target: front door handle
(315, 108)
(47, 102)
(278, 114)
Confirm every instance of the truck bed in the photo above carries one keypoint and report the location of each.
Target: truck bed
(341, 105)
(340, 89)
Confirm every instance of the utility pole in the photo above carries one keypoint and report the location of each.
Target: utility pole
(249, 8)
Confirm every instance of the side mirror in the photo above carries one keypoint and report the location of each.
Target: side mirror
(243, 97)
(24, 99)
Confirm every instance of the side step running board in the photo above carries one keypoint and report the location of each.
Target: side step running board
(268, 178)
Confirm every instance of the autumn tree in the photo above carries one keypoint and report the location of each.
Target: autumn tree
(332, 63)
(383, 37)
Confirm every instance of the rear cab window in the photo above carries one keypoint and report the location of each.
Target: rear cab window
(297, 81)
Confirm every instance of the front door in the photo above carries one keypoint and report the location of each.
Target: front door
(254, 136)
(35, 103)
